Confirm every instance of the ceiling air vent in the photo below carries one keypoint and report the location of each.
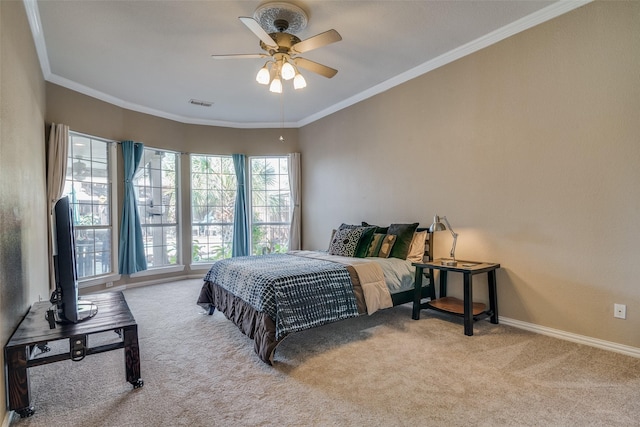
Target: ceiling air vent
(200, 103)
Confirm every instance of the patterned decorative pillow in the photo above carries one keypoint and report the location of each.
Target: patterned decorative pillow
(365, 239)
(387, 245)
(345, 241)
(376, 242)
(381, 245)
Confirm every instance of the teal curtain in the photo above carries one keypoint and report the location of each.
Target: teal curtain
(241, 244)
(131, 252)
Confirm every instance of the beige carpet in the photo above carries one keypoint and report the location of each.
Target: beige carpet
(384, 369)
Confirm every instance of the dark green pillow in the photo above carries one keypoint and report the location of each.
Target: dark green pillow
(382, 230)
(365, 242)
(403, 241)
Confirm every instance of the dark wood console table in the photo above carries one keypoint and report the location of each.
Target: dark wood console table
(34, 331)
(466, 308)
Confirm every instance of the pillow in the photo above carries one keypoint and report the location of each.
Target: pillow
(382, 230)
(381, 245)
(333, 233)
(376, 242)
(403, 241)
(345, 241)
(387, 245)
(416, 249)
(365, 239)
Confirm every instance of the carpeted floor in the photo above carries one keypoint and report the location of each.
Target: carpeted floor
(385, 369)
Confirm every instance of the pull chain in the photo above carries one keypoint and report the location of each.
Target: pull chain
(281, 116)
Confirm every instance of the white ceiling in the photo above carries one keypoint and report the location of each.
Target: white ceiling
(154, 56)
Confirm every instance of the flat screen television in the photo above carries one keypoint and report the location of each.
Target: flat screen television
(68, 308)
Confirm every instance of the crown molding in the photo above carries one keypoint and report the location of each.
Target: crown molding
(480, 43)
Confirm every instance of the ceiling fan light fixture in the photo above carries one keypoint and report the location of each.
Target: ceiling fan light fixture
(275, 24)
(264, 76)
(288, 71)
(276, 85)
(299, 82)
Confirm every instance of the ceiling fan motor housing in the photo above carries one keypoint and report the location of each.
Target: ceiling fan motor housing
(284, 40)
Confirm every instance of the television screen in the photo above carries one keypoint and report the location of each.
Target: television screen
(65, 297)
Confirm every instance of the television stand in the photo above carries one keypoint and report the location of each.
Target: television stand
(113, 315)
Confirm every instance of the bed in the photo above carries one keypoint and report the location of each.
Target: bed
(366, 268)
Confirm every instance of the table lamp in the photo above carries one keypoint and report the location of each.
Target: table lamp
(439, 226)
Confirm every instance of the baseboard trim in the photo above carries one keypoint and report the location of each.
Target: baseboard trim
(567, 336)
(8, 416)
(144, 283)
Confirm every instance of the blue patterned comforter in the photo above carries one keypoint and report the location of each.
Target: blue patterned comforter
(297, 292)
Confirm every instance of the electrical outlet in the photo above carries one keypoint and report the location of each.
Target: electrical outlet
(109, 284)
(620, 311)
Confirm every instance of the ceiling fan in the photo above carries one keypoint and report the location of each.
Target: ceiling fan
(282, 47)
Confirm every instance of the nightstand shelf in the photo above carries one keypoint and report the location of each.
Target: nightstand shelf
(456, 306)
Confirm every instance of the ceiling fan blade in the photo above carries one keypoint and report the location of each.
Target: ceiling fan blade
(323, 70)
(255, 27)
(316, 41)
(241, 56)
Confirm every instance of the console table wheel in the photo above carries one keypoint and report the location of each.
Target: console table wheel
(26, 412)
(138, 384)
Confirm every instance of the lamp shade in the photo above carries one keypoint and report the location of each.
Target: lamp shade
(437, 225)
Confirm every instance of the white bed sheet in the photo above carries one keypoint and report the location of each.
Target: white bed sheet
(399, 274)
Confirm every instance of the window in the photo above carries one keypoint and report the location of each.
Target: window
(270, 204)
(156, 184)
(88, 185)
(213, 196)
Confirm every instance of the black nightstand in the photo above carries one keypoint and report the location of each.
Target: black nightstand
(466, 308)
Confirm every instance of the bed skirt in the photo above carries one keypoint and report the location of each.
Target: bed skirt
(256, 325)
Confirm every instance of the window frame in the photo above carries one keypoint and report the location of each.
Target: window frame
(205, 264)
(179, 265)
(112, 167)
(250, 198)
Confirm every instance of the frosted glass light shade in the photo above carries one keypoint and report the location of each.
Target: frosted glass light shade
(299, 82)
(288, 72)
(263, 76)
(276, 85)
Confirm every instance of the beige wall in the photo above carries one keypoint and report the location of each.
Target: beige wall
(23, 232)
(530, 147)
(94, 117)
